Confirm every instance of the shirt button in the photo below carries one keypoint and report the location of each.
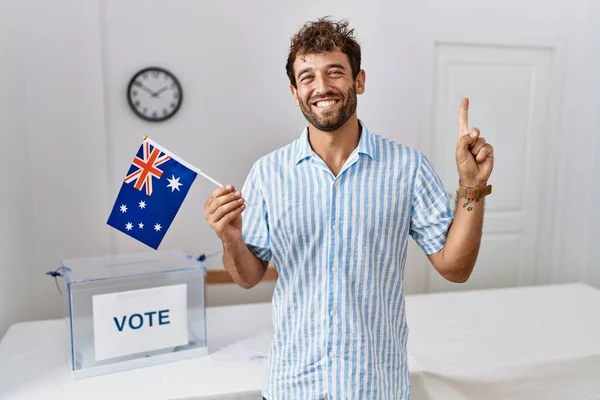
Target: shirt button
(332, 313)
(334, 227)
(334, 269)
(333, 354)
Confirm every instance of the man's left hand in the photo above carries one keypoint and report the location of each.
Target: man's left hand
(474, 156)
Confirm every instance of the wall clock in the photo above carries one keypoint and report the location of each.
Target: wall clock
(154, 94)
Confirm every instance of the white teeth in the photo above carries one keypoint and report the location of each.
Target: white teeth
(326, 103)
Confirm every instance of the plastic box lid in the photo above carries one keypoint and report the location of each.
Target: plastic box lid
(127, 265)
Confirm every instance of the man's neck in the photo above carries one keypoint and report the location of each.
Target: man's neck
(335, 147)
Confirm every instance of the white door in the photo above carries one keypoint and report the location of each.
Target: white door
(508, 88)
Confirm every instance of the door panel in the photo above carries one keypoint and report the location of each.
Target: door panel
(508, 89)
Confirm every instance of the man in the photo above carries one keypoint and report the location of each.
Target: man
(333, 211)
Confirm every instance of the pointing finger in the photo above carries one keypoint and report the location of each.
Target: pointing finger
(463, 117)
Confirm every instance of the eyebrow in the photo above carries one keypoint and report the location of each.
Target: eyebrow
(335, 65)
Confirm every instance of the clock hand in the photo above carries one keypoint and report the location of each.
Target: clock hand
(146, 89)
(159, 92)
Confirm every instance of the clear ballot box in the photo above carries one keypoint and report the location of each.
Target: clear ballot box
(133, 310)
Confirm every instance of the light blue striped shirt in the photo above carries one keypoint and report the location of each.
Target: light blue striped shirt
(339, 246)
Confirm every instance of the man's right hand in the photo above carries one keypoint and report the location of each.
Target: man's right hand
(223, 211)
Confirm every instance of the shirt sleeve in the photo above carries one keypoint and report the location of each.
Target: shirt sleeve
(431, 214)
(255, 227)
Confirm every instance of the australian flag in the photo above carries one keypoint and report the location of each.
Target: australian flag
(151, 194)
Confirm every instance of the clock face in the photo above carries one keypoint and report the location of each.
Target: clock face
(154, 94)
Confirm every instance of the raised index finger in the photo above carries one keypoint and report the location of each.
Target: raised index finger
(463, 117)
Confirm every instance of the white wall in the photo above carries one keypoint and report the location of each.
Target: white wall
(592, 263)
(575, 190)
(54, 177)
(68, 135)
(15, 193)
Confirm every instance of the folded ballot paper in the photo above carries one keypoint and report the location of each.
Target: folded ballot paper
(253, 348)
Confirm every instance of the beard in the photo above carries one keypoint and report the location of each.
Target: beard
(334, 119)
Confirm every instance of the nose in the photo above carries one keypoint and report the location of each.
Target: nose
(323, 86)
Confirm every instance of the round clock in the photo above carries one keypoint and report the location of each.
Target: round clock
(154, 94)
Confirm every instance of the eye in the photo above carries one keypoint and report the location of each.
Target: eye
(306, 78)
(336, 72)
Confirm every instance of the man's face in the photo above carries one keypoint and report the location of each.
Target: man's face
(326, 92)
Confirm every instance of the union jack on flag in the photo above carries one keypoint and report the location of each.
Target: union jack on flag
(147, 167)
(146, 215)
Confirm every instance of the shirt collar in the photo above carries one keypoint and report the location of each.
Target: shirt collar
(366, 144)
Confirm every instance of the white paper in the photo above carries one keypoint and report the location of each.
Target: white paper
(248, 349)
(139, 320)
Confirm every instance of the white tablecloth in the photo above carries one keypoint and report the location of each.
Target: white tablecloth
(519, 343)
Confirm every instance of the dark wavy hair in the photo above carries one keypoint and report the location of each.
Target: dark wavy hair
(324, 35)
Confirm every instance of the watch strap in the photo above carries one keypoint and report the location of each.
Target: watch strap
(473, 193)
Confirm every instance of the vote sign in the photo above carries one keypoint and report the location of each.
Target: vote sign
(138, 321)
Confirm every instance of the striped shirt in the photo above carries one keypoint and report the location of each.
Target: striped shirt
(339, 245)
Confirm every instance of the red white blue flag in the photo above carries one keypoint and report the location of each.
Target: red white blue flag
(151, 194)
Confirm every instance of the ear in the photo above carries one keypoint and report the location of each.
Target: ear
(360, 81)
(294, 92)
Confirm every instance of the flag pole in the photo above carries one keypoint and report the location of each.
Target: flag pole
(209, 178)
(197, 170)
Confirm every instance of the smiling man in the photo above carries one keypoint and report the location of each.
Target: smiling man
(333, 211)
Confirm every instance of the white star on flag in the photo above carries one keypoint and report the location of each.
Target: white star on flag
(129, 226)
(142, 204)
(157, 227)
(141, 225)
(174, 183)
(123, 208)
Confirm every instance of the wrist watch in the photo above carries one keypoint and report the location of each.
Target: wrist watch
(473, 193)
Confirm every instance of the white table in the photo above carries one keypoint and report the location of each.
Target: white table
(519, 343)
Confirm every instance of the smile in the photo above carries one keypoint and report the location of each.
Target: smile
(325, 103)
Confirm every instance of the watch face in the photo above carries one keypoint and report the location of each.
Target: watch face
(154, 94)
